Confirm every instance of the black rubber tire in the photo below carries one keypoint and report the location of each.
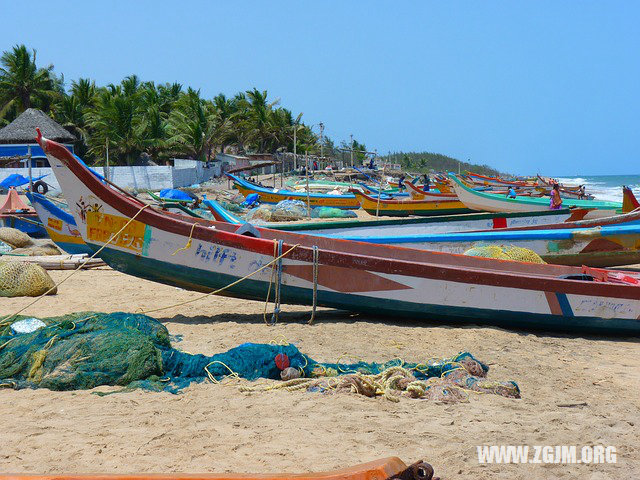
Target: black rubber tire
(40, 187)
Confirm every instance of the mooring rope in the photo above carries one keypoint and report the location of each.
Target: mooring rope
(278, 286)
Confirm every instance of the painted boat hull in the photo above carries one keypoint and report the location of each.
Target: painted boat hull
(59, 225)
(356, 276)
(403, 208)
(24, 223)
(347, 201)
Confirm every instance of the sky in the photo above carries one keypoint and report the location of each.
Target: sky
(525, 87)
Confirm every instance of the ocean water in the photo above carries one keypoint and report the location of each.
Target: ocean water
(605, 187)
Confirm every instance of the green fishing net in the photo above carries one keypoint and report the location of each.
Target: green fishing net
(86, 350)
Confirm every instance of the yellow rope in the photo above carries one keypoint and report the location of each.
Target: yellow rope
(5, 320)
(188, 245)
(212, 378)
(226, 286)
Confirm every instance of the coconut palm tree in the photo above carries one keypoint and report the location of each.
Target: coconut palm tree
(23, 84)
(192, 125)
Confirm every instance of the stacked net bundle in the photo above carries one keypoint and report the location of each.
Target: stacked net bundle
(332, 212)
(505, 252)
(14, 237)
(21, 279)
(41, 247)
(263, 213)
(289, 210)
(86, 350)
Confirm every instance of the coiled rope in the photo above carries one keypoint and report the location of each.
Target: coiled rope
(315, 284)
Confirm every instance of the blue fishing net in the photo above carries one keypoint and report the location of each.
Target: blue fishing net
(86, 350)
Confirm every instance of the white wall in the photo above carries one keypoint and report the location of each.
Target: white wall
(184, 174)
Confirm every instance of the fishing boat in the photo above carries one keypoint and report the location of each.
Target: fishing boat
(319, 271)
(488, 202)
(401, 207)
(14, 213)
(604, 242)
(391, 468)
(267, 195)
(494, 181)
(60, 225)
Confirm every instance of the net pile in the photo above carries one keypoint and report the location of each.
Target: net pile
(20, 279)
(85, 350)
(23, 244)
(332, 212)
(505, 252)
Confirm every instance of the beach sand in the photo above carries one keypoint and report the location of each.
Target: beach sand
(217, 428)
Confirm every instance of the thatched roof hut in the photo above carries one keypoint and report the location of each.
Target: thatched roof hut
(23, 129)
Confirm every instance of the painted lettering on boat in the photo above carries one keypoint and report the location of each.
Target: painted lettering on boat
(54, 223)
(102, 226)
(604, 306)
(216, 253)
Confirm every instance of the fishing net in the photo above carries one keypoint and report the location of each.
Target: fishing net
(505, 252)
(332, 212)
(43, 247)
(263, 213)
(289, 210)
(85, 350)
(21, 279)
(14, 237)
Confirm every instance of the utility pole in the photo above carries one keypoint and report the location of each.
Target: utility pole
(321, 141)
(106, 173)
(295, 156)
(351, 150)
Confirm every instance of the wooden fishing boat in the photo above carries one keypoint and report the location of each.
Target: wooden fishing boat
(60, 225)
(383, 469)
(494, 181)
(401, 207)
(268, 195)
(14, 213)
(604, 242)
(488, 202)
(320, 271)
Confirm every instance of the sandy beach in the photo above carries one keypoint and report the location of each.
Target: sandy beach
(575, 391)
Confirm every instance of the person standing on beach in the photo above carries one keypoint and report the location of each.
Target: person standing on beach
(427, 183)
(401, 186)
(556, 200)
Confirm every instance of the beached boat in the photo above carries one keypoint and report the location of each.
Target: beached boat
(268, 195)
(494, 181)
(428, 206)
(488, 202)
(60, 225)
(309, 270)
(391, 468)
(416, 225)
(14, 213)
(604, 242)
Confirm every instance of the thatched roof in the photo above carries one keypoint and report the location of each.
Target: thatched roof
(23, 128)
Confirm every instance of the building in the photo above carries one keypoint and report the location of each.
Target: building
(17, 138)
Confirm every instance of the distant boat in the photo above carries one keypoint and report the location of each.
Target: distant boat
(273, 195)
(355, 276)
(14, 213)
(489, 202)
(430, 205)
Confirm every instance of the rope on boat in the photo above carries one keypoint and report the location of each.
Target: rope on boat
(278, 286)
(188, 244)
(5, 320)
(315, 284)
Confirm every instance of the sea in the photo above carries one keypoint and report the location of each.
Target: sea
(605, 187)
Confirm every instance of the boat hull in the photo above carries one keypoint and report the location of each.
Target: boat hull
(356, 276)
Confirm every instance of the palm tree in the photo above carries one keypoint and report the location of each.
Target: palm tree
(193, 125)
(23, 84)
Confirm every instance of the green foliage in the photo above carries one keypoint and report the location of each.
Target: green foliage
(424, 162)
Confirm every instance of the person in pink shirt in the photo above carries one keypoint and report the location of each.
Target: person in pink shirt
(556, 200)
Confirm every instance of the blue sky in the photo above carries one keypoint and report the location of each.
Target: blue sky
(548, 86)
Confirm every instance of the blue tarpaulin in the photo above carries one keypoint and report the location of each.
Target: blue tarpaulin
(174, 194)
(17, 180)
